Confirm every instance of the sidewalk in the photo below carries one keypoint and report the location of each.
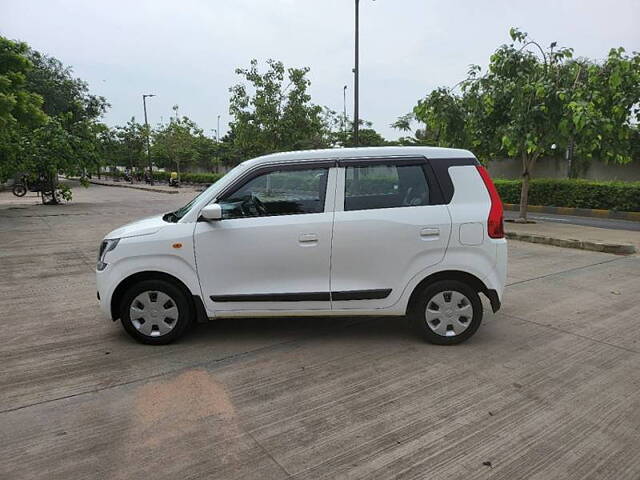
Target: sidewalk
(140, 186)
(622, 242)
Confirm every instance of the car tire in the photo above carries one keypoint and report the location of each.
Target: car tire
(155, 312)
(447, 312)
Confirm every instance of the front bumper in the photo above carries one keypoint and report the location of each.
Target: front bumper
(104, 292)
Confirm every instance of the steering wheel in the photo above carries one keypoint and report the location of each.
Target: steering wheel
(259, 205)
(253, 203)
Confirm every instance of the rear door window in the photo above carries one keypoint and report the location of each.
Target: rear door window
(385, 186)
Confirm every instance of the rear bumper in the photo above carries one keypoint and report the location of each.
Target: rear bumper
(496, 281)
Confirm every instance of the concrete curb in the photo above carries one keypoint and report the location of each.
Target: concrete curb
(135, 187)
(616, 248)
(580, 212)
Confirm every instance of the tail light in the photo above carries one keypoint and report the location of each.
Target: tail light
(495, 226)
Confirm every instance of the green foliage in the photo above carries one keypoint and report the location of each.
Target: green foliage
(20, 108)
(622, 196)
(534, 101)
(178, 144)
(128, 144)
(65, 192)
(62, 93)
(199, 178)
(48, 119)
(340, 132)
(445, 117)
(274, 111)
(602, 107)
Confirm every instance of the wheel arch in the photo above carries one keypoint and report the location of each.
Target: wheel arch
(196, 302)
(465, 277)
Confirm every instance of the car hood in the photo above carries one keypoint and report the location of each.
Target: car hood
(144, 226)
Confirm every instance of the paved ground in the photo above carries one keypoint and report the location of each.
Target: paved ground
(608, 223)
(567, 231)
(548, 388)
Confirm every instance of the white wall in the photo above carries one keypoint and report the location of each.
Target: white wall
(557, 168)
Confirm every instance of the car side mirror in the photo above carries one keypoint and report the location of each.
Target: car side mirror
(211, 212)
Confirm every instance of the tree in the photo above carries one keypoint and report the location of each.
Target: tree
(20, 108)
(208, 152)
(445, 118)
(602, 110)
(274, 111)
(177, 143)
(61, 91)
(367, 136)
(529, 102)
(48, 120)
(70, 106)
(131, 144)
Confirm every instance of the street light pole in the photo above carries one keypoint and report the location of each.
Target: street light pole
(146, 128)
(344, 107)
(218, 131)
(355, 80)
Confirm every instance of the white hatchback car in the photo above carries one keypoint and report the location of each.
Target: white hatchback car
(369, 231)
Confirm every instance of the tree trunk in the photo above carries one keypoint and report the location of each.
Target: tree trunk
(528, 161)
(571, 169)
(524, 195)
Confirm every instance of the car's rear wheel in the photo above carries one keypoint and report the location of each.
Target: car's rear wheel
(447, 312)
(155, 312)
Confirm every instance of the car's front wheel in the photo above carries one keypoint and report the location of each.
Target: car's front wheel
(155, 312)
(447, 312)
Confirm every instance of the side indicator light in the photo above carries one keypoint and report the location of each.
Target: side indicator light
(177, 245)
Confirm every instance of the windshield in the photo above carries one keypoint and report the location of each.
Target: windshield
(182, 211)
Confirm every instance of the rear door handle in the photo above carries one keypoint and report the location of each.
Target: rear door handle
(308, 238)
(430, 233)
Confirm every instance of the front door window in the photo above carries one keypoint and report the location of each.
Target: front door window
(280, 192)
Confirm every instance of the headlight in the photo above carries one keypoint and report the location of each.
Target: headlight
(105, 246)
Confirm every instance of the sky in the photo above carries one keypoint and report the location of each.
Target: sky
(185, 52)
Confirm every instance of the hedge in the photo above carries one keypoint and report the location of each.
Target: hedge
(621, 196)
(190, 177)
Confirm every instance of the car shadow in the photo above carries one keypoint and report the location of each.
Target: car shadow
(295, 328)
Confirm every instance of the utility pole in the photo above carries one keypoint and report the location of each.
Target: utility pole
(356, 118)
(218, 131)
(146, 128)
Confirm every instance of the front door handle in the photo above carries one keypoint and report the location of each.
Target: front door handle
(430, 233)
(308, 238)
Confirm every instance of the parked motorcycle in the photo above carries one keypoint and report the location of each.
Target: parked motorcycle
(24, 184)
(42, 185)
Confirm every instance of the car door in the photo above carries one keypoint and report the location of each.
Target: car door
(390, 224)
(271, 249)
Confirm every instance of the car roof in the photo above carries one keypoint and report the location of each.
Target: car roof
(362, 152)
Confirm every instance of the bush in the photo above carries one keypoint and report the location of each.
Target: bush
(207, 178)
(621, 196)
